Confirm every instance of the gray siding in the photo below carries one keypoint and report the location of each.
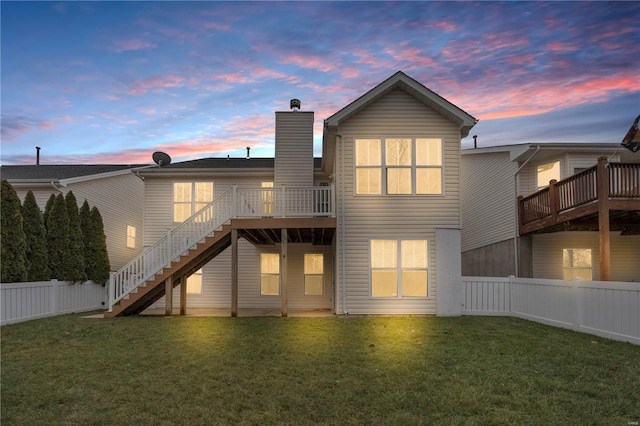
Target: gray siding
(488, 199)
(363, 218)
(625, 252)
(216, 280)
(294, 148)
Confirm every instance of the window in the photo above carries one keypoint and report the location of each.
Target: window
(577, 263)
(189, 197)
(131, 236)
(194, 283)
(411, 166)
(546, 173)
(368, 166)
(399, 273)
(313, 274)
(269, 274)
(267, 197)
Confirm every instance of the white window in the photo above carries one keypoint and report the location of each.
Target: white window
(269, 274)
(411, 166)
(399, 272)
(194, 283)
(368, 166)
(547, 172)
(313, 274)
(189, 197)
(267, 198)
(577, 263)
(131, 236)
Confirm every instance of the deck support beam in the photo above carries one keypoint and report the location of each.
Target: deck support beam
(283, 271)
(603, 219)
(183, 295)
(234, 273)
(168, 295)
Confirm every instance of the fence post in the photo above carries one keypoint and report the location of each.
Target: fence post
(509, 288)
(575, 284)
(54, 297)
(553, 199)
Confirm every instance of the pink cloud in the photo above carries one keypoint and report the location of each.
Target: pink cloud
(132, 44)
(557, 46)
(215, 26)
(158, 83)
(16, 125)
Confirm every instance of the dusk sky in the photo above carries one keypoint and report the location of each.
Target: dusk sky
(112, 82)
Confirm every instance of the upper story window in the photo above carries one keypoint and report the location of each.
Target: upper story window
(189, 197)
(547, 172)
(267, 197)
(398, 166)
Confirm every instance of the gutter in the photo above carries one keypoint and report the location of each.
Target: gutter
(516, 236)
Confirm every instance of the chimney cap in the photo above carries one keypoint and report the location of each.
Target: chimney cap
(294, 104)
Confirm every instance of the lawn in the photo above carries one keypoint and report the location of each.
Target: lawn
(351, 370)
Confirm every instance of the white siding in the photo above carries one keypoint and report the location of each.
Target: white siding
(397, 114)
(625, 252)
(294, 149)
(488, 199)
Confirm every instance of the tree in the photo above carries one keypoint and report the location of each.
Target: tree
(13, 245)
(47, 210)
(96, 252)
(37, 256)
(75, 262)
(58, 237)
(85, 219)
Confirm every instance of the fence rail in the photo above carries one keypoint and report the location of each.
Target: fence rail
(603, 308)
(27, 301)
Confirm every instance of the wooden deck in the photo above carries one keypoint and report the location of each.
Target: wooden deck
(603, 198)
(574, 204)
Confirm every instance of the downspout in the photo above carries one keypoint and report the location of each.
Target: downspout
(341, 216)
(516, 248)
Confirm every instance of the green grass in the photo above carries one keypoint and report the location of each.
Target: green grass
(356, 370)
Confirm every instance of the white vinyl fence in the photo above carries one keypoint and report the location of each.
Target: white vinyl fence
(603, 308)
(26, 301)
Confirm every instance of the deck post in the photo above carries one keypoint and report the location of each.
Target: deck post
(183, 295)
(602, 174)
(283, 272)
(553, 199)
(234, 273)
(168, 295)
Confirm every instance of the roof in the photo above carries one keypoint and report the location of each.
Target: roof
(414, 88)
(219, 165)
(518, 152)
(51, 173)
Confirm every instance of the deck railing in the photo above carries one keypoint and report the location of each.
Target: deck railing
(233, 203)
(580, 189)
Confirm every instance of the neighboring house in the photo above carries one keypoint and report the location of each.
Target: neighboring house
(551, 231)
(114, 189)
(373, 227)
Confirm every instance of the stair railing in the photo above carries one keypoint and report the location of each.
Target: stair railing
(177, 242)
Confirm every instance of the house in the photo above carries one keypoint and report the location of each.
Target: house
(372, 227)
(114, 189)
(537, 210)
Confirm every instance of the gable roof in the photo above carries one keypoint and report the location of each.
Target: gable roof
(519, 152)
(415, 89)
(227, 166)
(56, 173)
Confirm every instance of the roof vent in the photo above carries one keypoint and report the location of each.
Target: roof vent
(294, 104)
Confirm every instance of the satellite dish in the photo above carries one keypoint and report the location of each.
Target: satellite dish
(161, 158)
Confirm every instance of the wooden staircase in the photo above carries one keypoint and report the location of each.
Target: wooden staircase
(181, 268)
